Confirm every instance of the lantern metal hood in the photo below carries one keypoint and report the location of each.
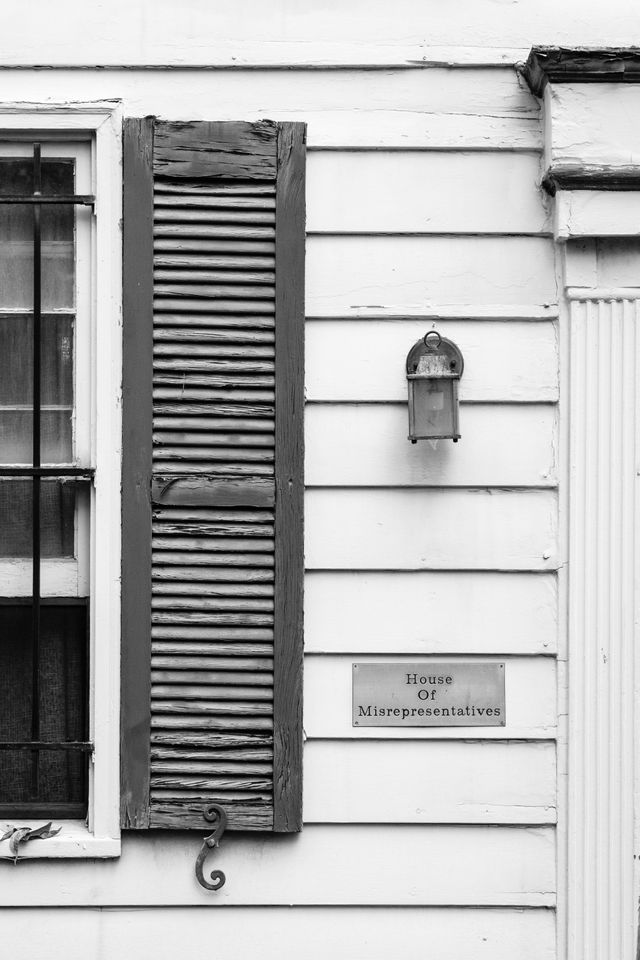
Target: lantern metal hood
(434, 368)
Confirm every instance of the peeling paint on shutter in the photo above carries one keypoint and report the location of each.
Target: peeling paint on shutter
(213, 478)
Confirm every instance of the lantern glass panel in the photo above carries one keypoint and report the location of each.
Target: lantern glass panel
(433, 408)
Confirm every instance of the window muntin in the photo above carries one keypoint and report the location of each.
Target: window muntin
(44, 597)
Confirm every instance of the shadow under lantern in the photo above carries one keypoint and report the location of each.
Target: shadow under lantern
(434, 368)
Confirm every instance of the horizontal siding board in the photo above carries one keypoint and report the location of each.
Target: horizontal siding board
(417, 782)
(530, 689)
(503, 362)
(368, 865)
(354, 612)
(366, 445)
(425, 193)
(398, 129)
(444, 529)
(377, 934)
(406, 109)
(393, 274)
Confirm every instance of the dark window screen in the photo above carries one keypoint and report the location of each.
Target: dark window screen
(62, 708)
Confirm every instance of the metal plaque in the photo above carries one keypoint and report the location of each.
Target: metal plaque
(428, 694)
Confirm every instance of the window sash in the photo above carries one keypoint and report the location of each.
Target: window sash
(45, 783)
(66, 576)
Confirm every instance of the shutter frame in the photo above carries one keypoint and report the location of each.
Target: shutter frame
(207, 151)
(137, 431)
(289, 467)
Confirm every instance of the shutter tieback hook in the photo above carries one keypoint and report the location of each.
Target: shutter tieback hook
(214, 814)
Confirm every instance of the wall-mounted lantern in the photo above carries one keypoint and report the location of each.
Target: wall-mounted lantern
(434, 367)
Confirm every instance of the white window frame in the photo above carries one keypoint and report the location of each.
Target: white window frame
(101, 125)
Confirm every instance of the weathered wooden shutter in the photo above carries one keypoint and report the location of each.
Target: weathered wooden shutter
(212, 473)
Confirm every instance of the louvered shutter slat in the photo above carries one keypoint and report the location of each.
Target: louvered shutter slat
(189, 444)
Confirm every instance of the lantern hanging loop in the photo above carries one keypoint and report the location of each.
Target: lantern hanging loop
(432, 344)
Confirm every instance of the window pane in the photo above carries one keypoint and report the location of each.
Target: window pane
(16, 236)
(16, 360)
(57, 512)
(61, 775)
(16, 389)
(55, 436)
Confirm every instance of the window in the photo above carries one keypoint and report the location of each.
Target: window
(45, 471)
(59, 477)
(180, 560)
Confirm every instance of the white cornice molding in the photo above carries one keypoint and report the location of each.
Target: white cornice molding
(591, 160)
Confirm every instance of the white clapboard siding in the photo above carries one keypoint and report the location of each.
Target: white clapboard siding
(279, 54)
(425, 193)
(430, 612)
(365, 865)
(306, 33)
(439, 782)
(530, 694)
(398, 109)
(347, 275)
(366, 361)
(366, 445)
(275, 933)
(420, 130)
(442, 529)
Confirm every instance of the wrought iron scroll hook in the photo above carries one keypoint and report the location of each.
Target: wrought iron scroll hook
(214, 814)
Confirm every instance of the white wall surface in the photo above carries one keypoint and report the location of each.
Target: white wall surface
(423, 201)
(286, 32)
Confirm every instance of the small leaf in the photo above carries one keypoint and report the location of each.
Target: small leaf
(39, 832)
(44, 834)
(10, 832)
(16, 840)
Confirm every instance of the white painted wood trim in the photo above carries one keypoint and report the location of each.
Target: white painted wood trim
(104, 796)
(603, 293)
(101, 124)
(281, 55)
(596, 213)
(74, 841)
(601, 903)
